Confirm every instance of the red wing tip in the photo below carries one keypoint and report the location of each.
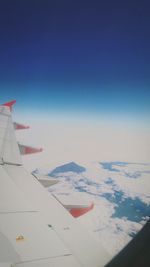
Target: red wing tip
(77, 212)
(19, 126)
(33, 150)
(23, 127)
(9, 104)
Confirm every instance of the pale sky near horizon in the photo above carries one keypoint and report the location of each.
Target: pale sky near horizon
(64, 140)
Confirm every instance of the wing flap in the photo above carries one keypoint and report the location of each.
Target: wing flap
(11, 198)
(66, 260)
(31, 238)
(45, 180)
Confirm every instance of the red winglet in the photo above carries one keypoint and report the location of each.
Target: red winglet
(19, 126)
(30, 150)
(10, 104)
(76, 212)
(24, 150)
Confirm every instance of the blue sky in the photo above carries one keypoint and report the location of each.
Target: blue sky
(76, 56)
(79, 71)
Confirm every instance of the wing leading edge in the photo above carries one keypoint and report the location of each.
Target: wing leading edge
(35, 229)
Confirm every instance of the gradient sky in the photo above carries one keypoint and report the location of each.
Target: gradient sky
(78, 55)
(76, 59)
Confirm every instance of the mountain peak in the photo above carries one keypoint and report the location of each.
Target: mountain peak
(69, 167)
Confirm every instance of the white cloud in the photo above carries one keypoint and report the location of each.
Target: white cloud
(111, 231)
(66, 139)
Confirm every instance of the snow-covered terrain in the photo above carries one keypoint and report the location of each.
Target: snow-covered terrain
(120, 192)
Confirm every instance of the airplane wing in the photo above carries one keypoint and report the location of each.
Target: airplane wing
(75, 206)
(35, 229)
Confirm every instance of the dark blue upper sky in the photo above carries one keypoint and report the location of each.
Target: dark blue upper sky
(77, 55)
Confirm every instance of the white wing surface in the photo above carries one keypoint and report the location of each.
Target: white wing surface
(35, 229)
(9, 151)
